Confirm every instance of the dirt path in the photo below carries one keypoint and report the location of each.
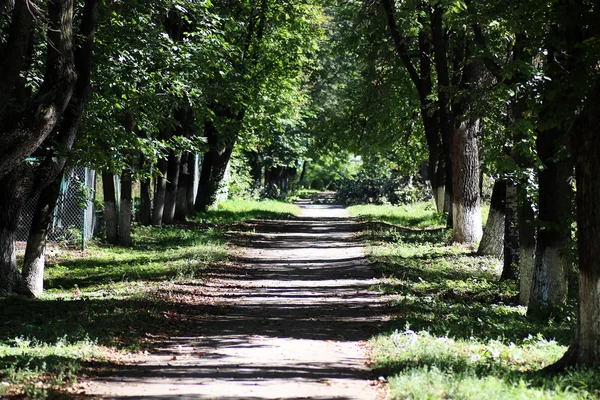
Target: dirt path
(287, 324)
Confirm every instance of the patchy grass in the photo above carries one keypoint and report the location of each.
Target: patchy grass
(457, 331)
(106, 302)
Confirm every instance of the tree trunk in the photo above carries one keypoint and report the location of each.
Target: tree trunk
(465, 182)
(125, 209)
(585, 349)
(444, 102)
(43, 112)
(160, 191)
(422, 80)
(214, 166)
(172, 185)
(549, 288)
(10, 279)
(527, 241)
(110, 207)
(39, 123)
(190, 194)
(302, 174)
(181, 207)
(12, 199)
(35, 253)
(511, 234)
(145, 202)
(492, 242)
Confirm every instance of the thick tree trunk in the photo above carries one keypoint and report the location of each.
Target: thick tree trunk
(585, 349)
(110, 208)
(35, 253)
(12, 199)
(203, 181)
(492, 242)
(527, 246)
(172, 185)
(44, 111)
(10, 279)
(511, 234)
(214, 166)
(466, 206)
(125, 209)
(40, 118)
(181, 207)
(160, 193)
(549, 287)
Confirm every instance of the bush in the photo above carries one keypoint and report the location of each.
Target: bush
(369, 188)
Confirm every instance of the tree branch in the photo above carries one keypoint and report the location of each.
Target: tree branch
(400, 46)
(43, 113)
(489, 62)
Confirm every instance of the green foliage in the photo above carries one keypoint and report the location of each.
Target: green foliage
(455, 332)
(371, 186)
(326, 169)
(240, 182)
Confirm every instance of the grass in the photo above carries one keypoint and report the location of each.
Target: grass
(456, 330)
(108, 301)
(233, 211)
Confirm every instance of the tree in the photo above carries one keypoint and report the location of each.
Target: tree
(458, 121)
(269, 46)
(585, 136)
(48, 116)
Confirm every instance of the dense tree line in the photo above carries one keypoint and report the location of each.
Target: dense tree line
(502, 88)
(141, 90)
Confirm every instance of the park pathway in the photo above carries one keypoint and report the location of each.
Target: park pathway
(290, 323)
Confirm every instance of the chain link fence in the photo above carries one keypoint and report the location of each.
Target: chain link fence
(74, 215)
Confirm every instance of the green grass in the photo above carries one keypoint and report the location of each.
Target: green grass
(232, 211)
(456, 331)
(112, 300)
(417, 215)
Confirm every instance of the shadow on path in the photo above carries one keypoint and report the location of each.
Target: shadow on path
(285, 323)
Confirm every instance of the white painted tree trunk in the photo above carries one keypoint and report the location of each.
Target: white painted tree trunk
(466, 205)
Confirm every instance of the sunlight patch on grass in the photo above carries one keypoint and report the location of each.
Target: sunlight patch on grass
(415, 215)
(232, 211)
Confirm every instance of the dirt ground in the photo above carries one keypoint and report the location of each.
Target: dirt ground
(289, 322)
